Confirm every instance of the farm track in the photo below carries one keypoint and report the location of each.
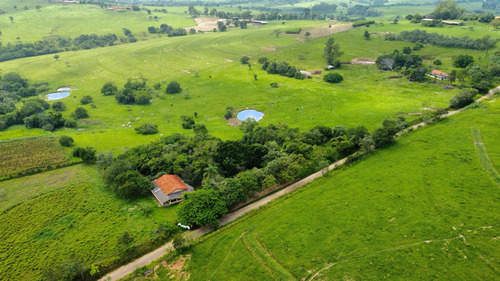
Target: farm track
(483, 156)
(158, 253)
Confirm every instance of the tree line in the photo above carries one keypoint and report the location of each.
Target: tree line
(436, 39)
(51, 46)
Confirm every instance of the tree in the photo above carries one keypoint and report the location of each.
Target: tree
(58, 106)
(56, 57)
(386, 62)
(437, 62)
(86, 100)
(276, 32)
(11, 19)
(464, 98)
(80, 113)
(453, 76)
(173, 88)
(333, 77)
(88, 154)
(406, 50)
(147, 129)
(221, 26)
(109, 89)
(417, 74)
(66, 141)
(187, 122)
(178, 241)
(202, 207)
(462, 61)
(135, 8)
(331, 53)
(308, 33)
(382, 137)
(447, 10)
(245, 60)
(367, 35)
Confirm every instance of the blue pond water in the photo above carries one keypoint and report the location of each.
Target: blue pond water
(57, 96)
(256, 115)
(64, 89)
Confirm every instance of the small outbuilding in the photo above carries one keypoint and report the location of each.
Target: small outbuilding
(438, 74)
(168, 189)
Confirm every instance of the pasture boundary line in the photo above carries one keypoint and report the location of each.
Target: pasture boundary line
(483, 155)
(227, 256)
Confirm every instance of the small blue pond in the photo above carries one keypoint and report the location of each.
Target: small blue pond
(57, 96)
(254, 114)
(61, 94)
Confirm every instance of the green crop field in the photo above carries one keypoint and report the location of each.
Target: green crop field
(424, 209)
(207, 67)
(68, 215)
(27, 154)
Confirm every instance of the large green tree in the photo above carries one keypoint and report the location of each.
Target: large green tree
(331, 53)
(202, 207)
(447, 10)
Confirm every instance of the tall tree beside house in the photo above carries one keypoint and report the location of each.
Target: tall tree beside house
(331, 53)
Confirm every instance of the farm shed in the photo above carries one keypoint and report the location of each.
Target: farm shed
(168, 189)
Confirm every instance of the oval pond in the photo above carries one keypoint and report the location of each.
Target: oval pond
(254, 114)
(57, 96)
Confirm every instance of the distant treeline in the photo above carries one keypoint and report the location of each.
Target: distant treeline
(51, 46)
(444, 41)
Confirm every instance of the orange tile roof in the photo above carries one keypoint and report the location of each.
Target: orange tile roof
(438, 72)
(170, 183)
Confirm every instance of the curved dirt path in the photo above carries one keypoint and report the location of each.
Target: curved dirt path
(230, 217)
(160, 252)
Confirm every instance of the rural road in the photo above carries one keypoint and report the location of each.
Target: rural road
(158, 253)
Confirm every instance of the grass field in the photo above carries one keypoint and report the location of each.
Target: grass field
(68, 215)
(26, 154)
(72, 20)
(423, 209)
(366, 97)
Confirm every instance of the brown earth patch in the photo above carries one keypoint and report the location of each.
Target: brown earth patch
(300, 39)
(233, 121)
(363, 61)
(228, 60)
(204, 24)
(268, 48)
(325, 30)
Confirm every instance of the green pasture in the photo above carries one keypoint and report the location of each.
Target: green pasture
(68, 215)
(365, 97)
(56, 20)
(424, 209)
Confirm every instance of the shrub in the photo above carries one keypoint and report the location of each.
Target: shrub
(80, 113)
(462, 61)
(58, 106)
(244, 60)
(66, 141)
(48, 127)
(228, 115)
(187, 122)
(362, 22)
(438, 62)
(147, 129)
(88, 155)
(333, 77)
(70, 123)
(109, 89)
(464, 98)
(86, 100)
(173, 88)
(274, 85)
(2, 125)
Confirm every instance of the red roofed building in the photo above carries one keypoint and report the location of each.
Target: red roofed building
(168, 189)
(439, 75)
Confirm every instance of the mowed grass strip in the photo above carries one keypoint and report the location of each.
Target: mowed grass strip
(483, 155)
(423, 209)
(21, 155)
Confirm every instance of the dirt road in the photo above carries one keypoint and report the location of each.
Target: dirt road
(158, 253)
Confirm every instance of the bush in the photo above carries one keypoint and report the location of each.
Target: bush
(147, 129)
(274, 85)
(86, 100)
(173, 88)
(245, 60)
(58, 106)
(462, 61)
(333, 77)
(2, 125)
(109, 89)
(187, 122)
(66, 141)
(88, 155)
(80, 113)
(438, 62)
(70, 123)
(362, 22)
(464, 98)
